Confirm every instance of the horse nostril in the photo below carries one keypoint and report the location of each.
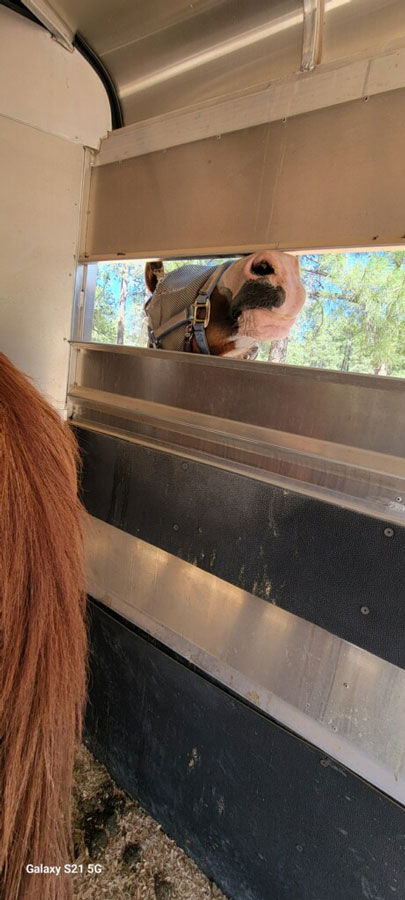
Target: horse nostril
(262, 268)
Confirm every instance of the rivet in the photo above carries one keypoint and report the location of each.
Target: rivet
(398, 499)
(364, 610)
(389, 532)
(345, 684)
(176, 527)
(325, 763)
(299, 848)
(184, 466)
(365, 99)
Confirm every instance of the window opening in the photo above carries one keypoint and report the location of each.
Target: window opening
(353, 319)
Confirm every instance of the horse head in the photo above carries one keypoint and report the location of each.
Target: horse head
(255, 298)
(265, 294)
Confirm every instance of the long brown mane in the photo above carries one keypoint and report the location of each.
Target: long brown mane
(42, 638)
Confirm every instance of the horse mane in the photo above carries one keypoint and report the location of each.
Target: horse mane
(42, 638)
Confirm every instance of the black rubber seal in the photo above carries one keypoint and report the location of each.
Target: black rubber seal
(80, 43)
(22, 10)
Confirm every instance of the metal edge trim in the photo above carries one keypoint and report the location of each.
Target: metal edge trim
(267, 369)
(359, 77)
(342, 501)
(374, 771)
(245, 434)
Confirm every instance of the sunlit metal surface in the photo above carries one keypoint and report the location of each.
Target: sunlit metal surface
(277, 101)
(312, 38)
(363, 26)
(325, 434)
(167, 56)
(342, 699)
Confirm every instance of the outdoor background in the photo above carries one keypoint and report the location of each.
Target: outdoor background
(353, 319)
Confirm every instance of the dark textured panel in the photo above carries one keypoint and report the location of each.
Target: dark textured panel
(315, 560)
(248, 801)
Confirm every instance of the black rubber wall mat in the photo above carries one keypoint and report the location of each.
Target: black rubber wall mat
(265, 815)
(331, 566)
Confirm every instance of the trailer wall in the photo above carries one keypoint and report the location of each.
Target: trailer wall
(52, 106)
(312, 162)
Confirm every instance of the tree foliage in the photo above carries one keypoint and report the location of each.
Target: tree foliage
(354, 316)
(353, 319)
(120, 283)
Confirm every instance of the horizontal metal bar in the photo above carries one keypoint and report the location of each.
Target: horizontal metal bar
(327, 86)
(187, 359)
(345, 701)
(268, 440)
(364, 491)
(320, 433)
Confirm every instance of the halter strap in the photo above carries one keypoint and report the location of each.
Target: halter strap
(195, 317)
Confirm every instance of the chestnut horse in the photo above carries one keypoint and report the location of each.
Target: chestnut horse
(224, 310)
(42, 639)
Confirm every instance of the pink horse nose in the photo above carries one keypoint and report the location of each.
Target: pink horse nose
(258, 266)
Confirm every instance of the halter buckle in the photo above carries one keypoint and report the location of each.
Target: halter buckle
(202, 311)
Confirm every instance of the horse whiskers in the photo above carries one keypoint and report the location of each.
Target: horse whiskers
(43, 638)
(240, 347)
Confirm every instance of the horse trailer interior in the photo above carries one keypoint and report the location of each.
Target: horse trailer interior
(245, 534)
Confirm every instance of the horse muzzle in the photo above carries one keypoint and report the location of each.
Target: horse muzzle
(257, 293)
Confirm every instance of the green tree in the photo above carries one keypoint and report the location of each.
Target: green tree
(105, 314)
(354, 316)
(118, 306)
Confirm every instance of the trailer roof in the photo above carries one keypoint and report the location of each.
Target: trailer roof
(165, 56)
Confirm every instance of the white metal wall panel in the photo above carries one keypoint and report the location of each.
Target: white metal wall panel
(45, 86)
(51, 104)
(40, 185)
